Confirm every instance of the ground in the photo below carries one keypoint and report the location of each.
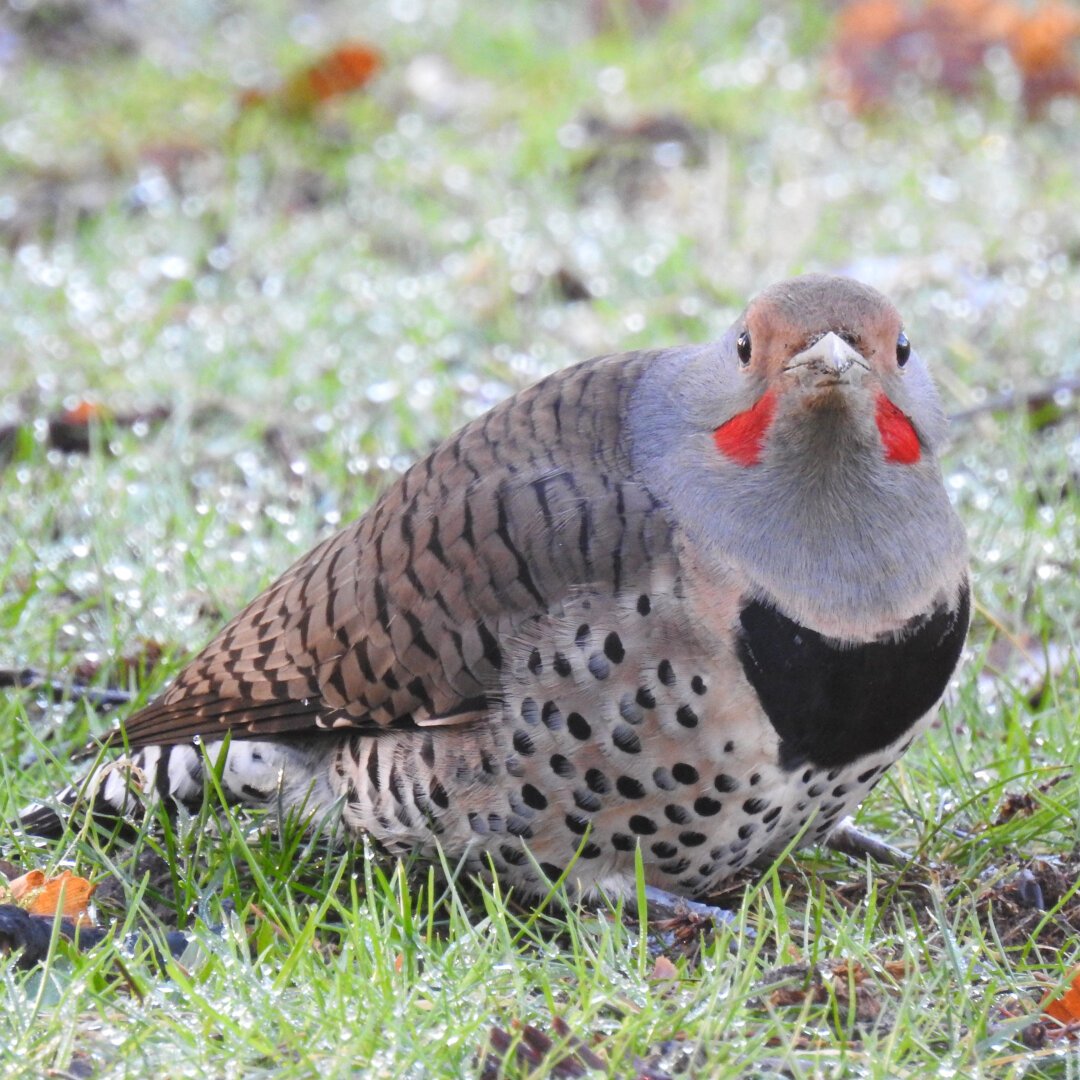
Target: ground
(268, 309)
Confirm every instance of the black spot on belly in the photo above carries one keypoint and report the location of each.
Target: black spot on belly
(599, 667)
(692, 839)
(597, 781)
(576, 824)
(676, 867)
(663, 779)
(831, 703)
(579, 727)
(684, 773)
(562, 766)
(613, 648)
(514, 856)
(686, 716)
(533, 797)
(587, 801)
(625, 739)
(630, 710)
(551, 716)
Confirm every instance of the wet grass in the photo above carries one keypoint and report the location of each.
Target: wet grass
(314, 302)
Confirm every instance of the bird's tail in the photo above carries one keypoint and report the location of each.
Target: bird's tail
(119, 792)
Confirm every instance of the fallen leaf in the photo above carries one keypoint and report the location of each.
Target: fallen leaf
(1066, 1008)
(65, 894)
(944, 43)
(663, 970)
(344, 70)
(1043, 48)
(26, 883)
(85, 412)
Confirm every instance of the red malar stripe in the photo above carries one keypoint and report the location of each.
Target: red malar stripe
(741, 437)
(897, 434)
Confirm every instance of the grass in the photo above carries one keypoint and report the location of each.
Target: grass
(316, 302)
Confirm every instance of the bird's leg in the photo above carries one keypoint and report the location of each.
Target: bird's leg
(850, 840)
(662, 905)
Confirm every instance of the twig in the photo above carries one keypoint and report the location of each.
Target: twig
(29, 679)
(1020, 399)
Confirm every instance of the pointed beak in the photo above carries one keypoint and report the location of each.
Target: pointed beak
(830, 361)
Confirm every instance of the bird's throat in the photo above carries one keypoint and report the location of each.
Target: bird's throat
(742, 438)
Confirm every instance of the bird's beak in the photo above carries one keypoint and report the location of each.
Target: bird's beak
(830, 361)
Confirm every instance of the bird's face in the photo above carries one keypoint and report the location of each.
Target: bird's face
(801, 450)
(821, 353)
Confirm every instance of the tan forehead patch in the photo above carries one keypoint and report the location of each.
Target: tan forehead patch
(791, 315)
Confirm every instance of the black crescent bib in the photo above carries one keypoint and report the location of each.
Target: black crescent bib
(832, 702)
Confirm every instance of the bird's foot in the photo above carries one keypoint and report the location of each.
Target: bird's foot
(850, 840)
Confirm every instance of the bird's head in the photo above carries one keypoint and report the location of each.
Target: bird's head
(822, 354)
(802, 448)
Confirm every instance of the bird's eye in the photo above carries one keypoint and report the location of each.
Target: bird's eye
(742, 347)
(903, 349)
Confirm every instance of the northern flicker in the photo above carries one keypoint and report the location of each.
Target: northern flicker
(692, 601)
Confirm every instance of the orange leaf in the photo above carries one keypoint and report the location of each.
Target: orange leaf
(84, 412)
(879, 42)
(1042, 42)
(1066, 1008)
(342, 71)
(67, 894)
(870, 22)
(20, 886)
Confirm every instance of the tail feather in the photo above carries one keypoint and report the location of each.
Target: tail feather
(118, 793)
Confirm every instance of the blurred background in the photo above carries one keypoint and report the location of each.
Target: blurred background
(258, 257)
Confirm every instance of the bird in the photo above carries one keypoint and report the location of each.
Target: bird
(684, 606)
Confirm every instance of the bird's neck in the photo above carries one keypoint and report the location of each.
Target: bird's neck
(823, 527)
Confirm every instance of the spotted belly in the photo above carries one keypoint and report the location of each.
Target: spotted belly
(607, 741)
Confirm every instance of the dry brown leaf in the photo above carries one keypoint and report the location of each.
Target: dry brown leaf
(663, 970)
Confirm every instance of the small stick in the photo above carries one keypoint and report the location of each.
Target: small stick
(30, 679)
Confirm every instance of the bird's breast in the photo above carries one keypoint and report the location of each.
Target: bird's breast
(834, 702)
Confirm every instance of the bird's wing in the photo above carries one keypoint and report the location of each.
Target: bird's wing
(402, 618)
